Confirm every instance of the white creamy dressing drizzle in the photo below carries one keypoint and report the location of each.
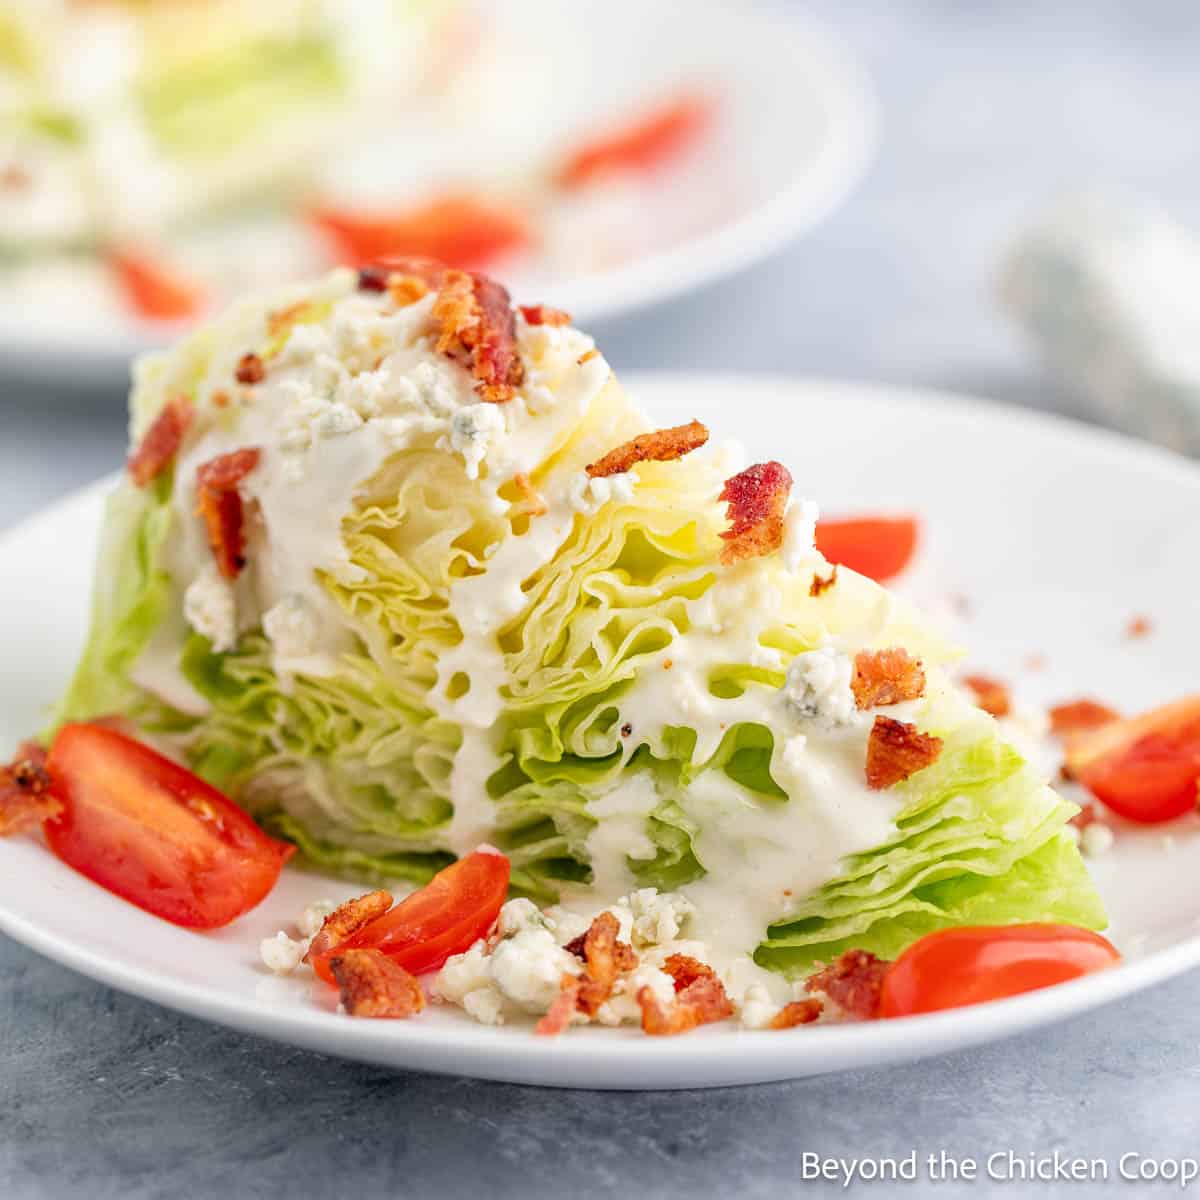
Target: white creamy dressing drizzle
(762, 855)
(484, 604)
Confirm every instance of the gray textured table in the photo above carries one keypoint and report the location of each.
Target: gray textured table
(990, 112)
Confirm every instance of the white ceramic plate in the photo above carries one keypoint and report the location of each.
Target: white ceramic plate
(795, 129)
(1056, 533)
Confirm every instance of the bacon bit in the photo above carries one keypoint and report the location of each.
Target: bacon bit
(478, 328)
(1139, 626)
(605, 958)
(798, 1012)
(220, 399)
(685, 970)
(1077, 715)
(853, 982)
(558, 1015)
(372, 985)
(25, 799)
(1087, 815)
(757, 499)
(820, 585)
(220, 505)
(663, 445)
(533, 502)
(884, 677)
(346, 920)
(372, 279)
(542, 314)
(406, 289)
(250, 369)
(700, 1003)
(896, 750)
(160, 443)
(990, 694)
(587, 356)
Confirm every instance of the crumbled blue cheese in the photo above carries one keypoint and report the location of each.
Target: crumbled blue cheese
(472, 431)
(588, 495)
(211, 610)
(757, 1009)
(337, 419)
(281, 953)
(658, 916)
(817, 688)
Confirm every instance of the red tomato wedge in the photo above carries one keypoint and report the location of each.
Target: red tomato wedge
(1146, 768)
(153, 833)
(647, 142)
(460, 231)
(878, 547)
(956, 967)
(154, 289)
(448, 915)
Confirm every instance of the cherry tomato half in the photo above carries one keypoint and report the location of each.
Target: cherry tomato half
(461, 231)
(153, 833)
(956, 967)
(1146, 768)
(447, 916)
(645, 143)
(155, 290)
(878, 547)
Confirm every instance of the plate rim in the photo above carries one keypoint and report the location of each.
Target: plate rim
(845, 95)
(619, 1058)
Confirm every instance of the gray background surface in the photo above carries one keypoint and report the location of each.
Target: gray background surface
(991, 111)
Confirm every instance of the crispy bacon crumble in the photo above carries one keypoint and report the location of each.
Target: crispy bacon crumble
(219, 503)
(558, 1016)
(685, 970)
(478, 328)
(25, 797)
(798, 1012)
(896, 750)
(1074, 716)
(1139, 626)
(605, 957)
(346, 920)
(533, 503)
(373, 985)
(821, 584)
(990, 694)
(250, 369)
(853, 982)
(883, 677)
(406, 289)
(757, 498)
(160, 443)
(663, 445)
(543, 314)
(700, 1003)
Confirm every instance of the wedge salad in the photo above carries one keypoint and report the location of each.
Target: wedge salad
(401, 572)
